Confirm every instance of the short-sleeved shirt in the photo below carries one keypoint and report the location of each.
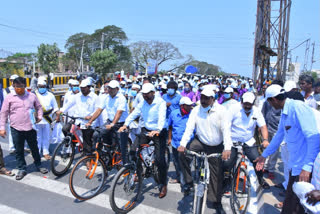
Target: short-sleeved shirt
(174, 102)
(243, 126)
(178, 124)
(112, 105)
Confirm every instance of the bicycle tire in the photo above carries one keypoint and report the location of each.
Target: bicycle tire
(65, 157)
(243, 181)
(86, 188)
(126, 175)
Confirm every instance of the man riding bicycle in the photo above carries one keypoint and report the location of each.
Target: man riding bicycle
(152, 112)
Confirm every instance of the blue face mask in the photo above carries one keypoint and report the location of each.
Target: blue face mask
(133, 93)
(187, 89)
(42, 90)
(75, 88)
(171, 91)
(205, 109)
(248, 112)
(227, 96)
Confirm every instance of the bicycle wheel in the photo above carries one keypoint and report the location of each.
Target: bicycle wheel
(240, 192)
(85, 180)
(62, 157)
(125, 190)
(198, 199)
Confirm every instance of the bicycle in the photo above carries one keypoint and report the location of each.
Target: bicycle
(128, 181)
(64, 153)
(89, 174)
(240, 185)
(202, 178)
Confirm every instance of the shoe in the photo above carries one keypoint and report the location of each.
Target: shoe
(47, 157)
(174, 181)
(27, 150)
(4, 171)
(12, 152)
(280, 186)
(21, 175)
(163, 192)
(271, 175)
(42, 169)
(265, 185)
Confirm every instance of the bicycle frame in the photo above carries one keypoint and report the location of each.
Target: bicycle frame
(73, 131)
(242, 163)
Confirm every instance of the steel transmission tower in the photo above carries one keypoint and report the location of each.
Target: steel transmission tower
(271, 39)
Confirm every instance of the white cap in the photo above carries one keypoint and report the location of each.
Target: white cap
(129, 80)
(138, 77)
(184, 79)
(274, 90)
(147, 87)
(164, 86)
(185, 101)
(123, 82)
(234, 85)
(208, 92)
(248, 97)
(289, 85)
(114, 84)
(180, 85)
(166, 77)
(195, 78)
(75, 82)
(14, 76)
(41, 82)
(228, 90)
(70, 81)
(135, 86)
(85, 83)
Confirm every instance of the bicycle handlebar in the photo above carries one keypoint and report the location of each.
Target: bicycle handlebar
(188, 152)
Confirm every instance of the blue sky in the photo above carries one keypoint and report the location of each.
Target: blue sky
(218, 32)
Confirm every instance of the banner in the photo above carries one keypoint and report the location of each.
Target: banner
(152, 66)
(191, 69)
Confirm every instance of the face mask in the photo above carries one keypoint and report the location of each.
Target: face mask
(42, 90)
(248, 111)
(171, 91)
(129, 86)
(227, 96)
(185, 112)
(205, 109)
(19, 91)
(134, 93)
(187, 89)
(74, 89)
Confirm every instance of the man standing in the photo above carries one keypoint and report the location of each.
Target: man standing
(152, 111)
(34, 82)
(298, 128)
(49, 106)
(51, 79)
(18, 106)
(244, 120)
(84, 105)
(116, 107)
(306, 85)
(212, 135)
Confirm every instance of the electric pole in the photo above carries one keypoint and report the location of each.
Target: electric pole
(102, 41)
(306, 55)
(81, 57)
(312, 57)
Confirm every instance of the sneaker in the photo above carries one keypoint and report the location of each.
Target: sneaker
(42, 169)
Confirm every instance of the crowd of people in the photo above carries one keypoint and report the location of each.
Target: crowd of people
(197, 112)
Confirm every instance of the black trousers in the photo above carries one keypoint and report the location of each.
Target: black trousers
(1, 158)
(160, 147)
(87, 141)
(291, 204)
(251, 152)
(111, 135)
(18, 138)
(215, 189)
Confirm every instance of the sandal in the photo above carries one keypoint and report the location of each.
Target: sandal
(279, 205)
(4, 171)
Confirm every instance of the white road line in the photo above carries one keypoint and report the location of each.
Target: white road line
(10, 210)
(101, 200)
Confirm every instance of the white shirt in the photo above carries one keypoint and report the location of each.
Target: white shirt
(229, 103)
(104, 115)
(243, 126)
(211, 128)
(83, 106)
(112, 105)
(67, 98)
(47, 101)
(311, 101)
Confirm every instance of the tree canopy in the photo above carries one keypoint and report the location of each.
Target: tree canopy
(103, 61)
(48, 57)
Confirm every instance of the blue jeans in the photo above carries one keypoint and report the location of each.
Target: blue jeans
(18, 138)
(176, 163)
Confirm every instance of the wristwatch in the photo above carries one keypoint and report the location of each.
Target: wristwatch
(264, 140)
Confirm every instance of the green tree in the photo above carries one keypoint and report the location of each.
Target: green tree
(103, 61)
(48, 57)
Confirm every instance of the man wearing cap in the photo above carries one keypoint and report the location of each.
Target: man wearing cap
(123, 87)
(244, 120)
(19, 106)
(116, 107)
(212, 135)
(177, 124)
(49, 106)
(228, 100)
(132, 96)
(152, 111)
(298, 128)
(85, 104)
(129, 85)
